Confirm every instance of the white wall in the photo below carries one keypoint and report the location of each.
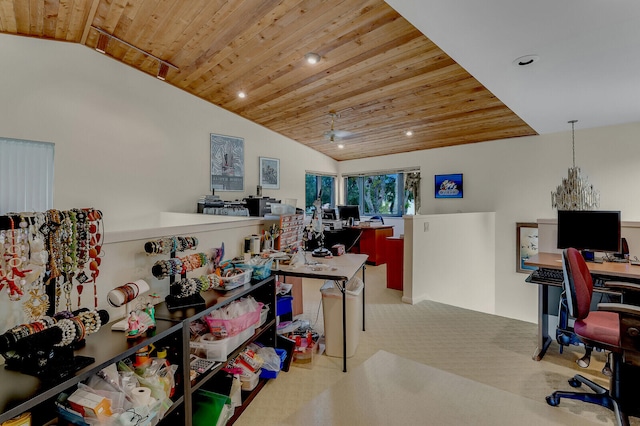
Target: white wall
(453, 262)
(515, 178)
(125, 142)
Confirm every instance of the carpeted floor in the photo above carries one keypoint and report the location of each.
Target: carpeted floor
(488, 349)
(416, 394)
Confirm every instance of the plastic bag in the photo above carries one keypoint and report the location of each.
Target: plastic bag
(159, 383)
(270, 357)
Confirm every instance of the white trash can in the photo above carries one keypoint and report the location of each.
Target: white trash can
(332, 312)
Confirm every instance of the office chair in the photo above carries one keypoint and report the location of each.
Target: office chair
(614, 327)
(377, 217)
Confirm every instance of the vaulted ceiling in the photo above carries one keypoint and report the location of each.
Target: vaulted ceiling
(380, 75)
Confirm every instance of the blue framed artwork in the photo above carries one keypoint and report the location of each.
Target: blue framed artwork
(449, 186)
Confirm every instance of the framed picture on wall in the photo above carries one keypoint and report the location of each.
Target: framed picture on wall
(270, 173)
(448, 186)
(227, 163)
(526, 245)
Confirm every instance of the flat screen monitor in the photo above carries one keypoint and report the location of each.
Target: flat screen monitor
(329, 214)
(346, 212)
(589, 230)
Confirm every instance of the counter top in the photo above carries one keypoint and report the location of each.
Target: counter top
(168, 223)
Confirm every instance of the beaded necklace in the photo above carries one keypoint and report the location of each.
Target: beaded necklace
(15, 277)
(67, 256)
(95, 249)
(38, 303)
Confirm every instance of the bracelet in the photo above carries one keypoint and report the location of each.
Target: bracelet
(68, 332)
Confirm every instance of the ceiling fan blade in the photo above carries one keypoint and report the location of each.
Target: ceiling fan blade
(338, 134)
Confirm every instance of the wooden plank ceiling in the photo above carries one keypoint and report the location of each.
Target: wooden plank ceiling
(378, 73)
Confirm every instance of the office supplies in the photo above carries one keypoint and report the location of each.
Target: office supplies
(201, 365)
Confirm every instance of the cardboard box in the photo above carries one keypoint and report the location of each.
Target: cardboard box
(89, 404)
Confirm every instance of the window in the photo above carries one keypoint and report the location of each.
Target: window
(314, 183)
(379, 194)
(26, 176)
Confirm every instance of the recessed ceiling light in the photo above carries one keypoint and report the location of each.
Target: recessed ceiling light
(242, 95)
(312, 58)
(523, 61)
(340, 145)
(409, 133)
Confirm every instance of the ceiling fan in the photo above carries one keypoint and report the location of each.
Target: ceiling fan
(334, 135)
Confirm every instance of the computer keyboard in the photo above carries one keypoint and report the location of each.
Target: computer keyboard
(547, 276)
(555, 277)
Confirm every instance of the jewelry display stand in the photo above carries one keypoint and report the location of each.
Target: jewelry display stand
(193, 301)
(43, 355)
(123, 324)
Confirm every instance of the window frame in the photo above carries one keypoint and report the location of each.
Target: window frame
(360, 183)
(30, 167)
(318, 177)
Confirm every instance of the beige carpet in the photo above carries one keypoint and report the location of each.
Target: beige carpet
(387, 389)
(486, 349)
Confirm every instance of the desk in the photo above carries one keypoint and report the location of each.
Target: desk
(373, 241)
(339, 269)
(607, 270)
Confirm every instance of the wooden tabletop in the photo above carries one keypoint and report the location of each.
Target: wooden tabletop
(614, 269)
(326, 268)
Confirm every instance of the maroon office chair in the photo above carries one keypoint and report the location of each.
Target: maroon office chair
(614, 327)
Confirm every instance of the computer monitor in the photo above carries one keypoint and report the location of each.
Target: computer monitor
(589, 230)
(329, 214)
(346, 212)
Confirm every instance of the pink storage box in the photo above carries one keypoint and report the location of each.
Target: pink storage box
(236, 325)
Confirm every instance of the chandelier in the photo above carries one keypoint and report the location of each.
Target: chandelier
(575, 193)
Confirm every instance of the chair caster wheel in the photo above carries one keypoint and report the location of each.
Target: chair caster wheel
(553, 401)
(574, 383)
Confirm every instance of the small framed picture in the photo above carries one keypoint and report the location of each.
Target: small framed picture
(448, 186)
(269, 173)
(526, 245)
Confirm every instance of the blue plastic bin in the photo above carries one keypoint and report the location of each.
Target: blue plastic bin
(270, 374)
(284, 305)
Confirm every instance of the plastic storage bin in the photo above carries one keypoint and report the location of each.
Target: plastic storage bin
(260, 272)
(219, 350)
(236, 325)
(250, 381)
(210, 408)
(229, 283)
(270, 374)
(332, 311)
(284, 305)
(303, 354)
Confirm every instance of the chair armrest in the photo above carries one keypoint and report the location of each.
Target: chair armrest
(620, 285)
(620, 308)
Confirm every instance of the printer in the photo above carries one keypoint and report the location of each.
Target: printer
(259, 206)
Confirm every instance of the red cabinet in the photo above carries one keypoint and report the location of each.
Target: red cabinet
(373, 241)
(395, 262)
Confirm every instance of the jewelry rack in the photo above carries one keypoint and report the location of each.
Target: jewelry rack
(170, 269)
